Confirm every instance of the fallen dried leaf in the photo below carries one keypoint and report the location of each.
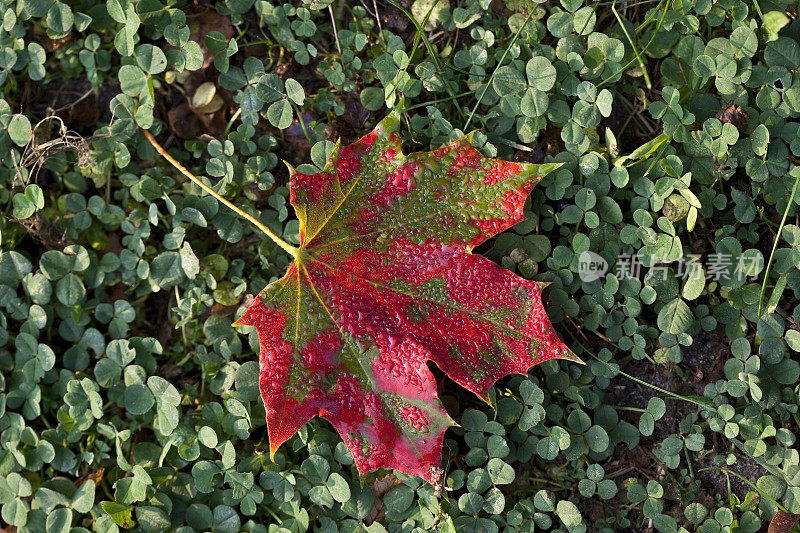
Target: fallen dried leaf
(733, 114)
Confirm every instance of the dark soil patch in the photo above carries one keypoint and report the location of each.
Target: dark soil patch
(704, 358)
(718, 482)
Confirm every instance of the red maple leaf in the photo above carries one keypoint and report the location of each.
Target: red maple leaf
(383, 282)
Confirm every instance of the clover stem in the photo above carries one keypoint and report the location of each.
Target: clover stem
(499, 64)
(291, 250)
(775, 244)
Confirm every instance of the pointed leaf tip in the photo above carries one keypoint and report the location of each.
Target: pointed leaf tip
(292, 170)
(241, 321)
(571, 356)
(547, 168)
(272, 451)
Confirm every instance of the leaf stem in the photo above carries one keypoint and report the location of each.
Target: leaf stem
(499, 64)
(291, 250)
(655, 388)
(633, 46)
(638, 57)
(754, 487)
(421, 34)
(300, 118)
(232, 120)
(335, 32)
(438, 100)
(775, 243)
(671, 394)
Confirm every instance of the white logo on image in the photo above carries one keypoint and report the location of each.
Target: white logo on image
(591, 266)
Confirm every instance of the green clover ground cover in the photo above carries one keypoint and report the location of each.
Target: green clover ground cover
(127, 400)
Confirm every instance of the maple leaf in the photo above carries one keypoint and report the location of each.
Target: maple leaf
(383, 282)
